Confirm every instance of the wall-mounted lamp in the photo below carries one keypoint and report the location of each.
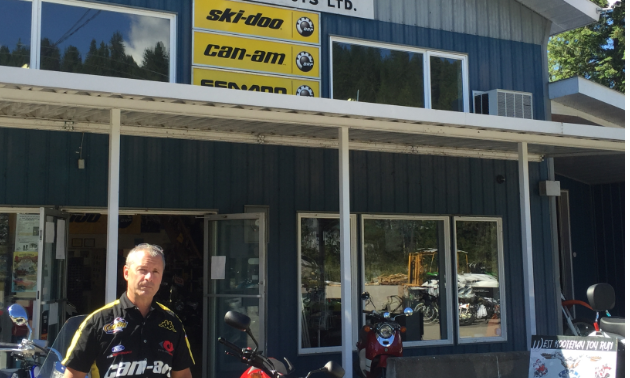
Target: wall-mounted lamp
(500, 179)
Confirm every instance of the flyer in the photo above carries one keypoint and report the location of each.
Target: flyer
(571, 356)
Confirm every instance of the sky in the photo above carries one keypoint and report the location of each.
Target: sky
(139, 32)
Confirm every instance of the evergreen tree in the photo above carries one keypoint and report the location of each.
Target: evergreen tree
(50, 56)
(596, 51)
(20, 56)
(71, 61)
(155, 63)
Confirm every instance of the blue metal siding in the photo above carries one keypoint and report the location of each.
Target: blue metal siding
(597, 238)
(492, 63)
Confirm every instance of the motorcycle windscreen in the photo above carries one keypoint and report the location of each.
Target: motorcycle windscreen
(52, 365)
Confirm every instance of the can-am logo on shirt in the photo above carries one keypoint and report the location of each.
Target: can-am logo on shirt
(117, 325)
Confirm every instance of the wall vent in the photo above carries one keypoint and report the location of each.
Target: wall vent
(503, 103)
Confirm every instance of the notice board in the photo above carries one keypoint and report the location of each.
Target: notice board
(572, 356)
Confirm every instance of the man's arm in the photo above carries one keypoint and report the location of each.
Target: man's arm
(174, 374)
(71, 373)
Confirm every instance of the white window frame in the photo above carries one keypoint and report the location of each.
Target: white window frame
(354, 299)
(446, 278)
(501, 267)
(426, 64)
(36, 27)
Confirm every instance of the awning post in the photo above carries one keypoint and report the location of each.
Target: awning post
(111, 267)
(346, 261)
(526, 243)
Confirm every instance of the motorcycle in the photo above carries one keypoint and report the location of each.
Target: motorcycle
(261, 366)
(379, 340)
(31, 352)
(601, 297)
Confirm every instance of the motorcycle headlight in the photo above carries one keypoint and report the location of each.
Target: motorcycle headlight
(386, 331)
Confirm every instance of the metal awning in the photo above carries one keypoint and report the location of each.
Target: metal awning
(45, 100)
(565, 14)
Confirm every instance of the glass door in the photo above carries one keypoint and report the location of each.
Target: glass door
(50, 314)
(234, 280)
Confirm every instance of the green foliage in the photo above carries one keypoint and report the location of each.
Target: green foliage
(596, 52)
(104, 59)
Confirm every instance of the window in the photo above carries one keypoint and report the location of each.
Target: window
(405, 260)
(480, 283)
(89, 38)
(320, 283)
(398, 75)
(15, 33)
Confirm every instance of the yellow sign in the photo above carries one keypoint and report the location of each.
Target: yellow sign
(255, 83)
(257, 20)
(255, 55)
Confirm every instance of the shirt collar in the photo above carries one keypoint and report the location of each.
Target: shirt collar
(126, 303)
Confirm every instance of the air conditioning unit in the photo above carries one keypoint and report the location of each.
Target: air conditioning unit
(503, 103)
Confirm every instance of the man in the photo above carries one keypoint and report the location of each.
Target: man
(133, 335)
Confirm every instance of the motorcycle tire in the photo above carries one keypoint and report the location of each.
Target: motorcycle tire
(378, 372)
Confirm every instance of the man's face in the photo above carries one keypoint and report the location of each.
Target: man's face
(143, 275)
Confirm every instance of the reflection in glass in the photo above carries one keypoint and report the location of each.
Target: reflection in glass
(15, 33)
(478, 279)
(106, 43)
(447, 90)
(402, 260)
(377, 75)
(320, 292)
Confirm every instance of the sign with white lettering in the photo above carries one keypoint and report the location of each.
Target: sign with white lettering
(352, 8)
(571, 356)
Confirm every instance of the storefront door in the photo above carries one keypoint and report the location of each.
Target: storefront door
(234, 279)
(50, 307)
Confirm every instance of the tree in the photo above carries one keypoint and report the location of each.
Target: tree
(596, 51)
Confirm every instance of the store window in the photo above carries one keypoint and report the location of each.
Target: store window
(396, 75)
(405, 264)
(15, 33)
(106, 41)
(320, 283)
(480, 282)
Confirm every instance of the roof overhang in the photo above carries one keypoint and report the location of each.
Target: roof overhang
(565, 14)
(586, 96)
(35, 99)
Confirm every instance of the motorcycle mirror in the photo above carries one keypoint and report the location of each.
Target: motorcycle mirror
(386, 315)
(334, 369)
(18, 315)
(237, 320)
(408, 311)
(365, 296)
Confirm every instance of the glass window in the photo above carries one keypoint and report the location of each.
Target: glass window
(106, 42)
(405, 258)
(15, 33)
(479, 249)
(405, 76)
(377, 75)
(447, 91)
(320, 283)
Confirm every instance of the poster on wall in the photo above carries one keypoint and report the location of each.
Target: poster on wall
(25, 253)
(571, 356)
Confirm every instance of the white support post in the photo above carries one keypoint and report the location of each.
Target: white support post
(111, 268)
(526, 242)
(36, 31)
(346, 261)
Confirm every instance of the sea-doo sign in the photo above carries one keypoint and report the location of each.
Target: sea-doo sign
(352, 8)
(255, 83)
(257, 20)
(232, 52)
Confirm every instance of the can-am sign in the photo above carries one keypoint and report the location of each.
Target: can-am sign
(352, 8)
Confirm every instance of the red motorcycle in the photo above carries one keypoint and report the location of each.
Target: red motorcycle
(379, 340)
(261, 366)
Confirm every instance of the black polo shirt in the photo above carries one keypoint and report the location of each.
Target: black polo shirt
(117, 341)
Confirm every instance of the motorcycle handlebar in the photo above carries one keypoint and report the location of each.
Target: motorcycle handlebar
(231, 346)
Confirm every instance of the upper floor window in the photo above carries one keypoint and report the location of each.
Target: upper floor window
(91, 38)
(398, 75)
